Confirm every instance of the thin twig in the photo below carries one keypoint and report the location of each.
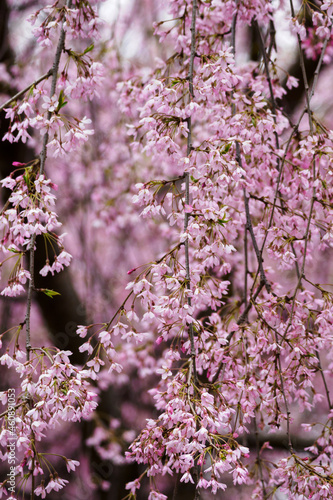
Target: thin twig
(277, 142)
(55, 68)
(263, 280)
(249, 227)
(324, 381)
(259, 461)
(272, 32)
(320, 62)
(269, 80)
(29, 298)
(295, 128)
(246, 272)
(120, 308)
(32, 495)
(15, 408)
(313, 198)
(290, 445)
(306, 235)
(22, 92)
(31, 287)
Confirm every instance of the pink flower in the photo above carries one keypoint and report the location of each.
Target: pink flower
(8, 182)
(86, 347)
(239, 475)
(64, 258)
(46, 269)
(72, 464)
(215, 485)
(82, 331)
(96, 364)
(13, 289)
(23, 275)
(156, 495)
(187, 478)
(40, 490)
(52, 485)
(133, 486)
(292, 82)
(203, 483)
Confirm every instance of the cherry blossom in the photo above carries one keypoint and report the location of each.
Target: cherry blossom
(202, 210)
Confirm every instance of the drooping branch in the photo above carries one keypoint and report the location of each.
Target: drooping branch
(187, 181)
(55, 69)
(31, 247)
(26, 89)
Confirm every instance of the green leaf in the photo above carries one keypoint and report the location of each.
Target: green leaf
(26, 179)
(88, 49)
(31, 91)
(226, 149)
(49, 293)
(14, 251)
(222, 221)
(61, 101)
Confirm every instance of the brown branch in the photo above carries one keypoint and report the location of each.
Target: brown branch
(22, 92)
(31, 247)
(55, 68)
(187, 181)
(324, 380)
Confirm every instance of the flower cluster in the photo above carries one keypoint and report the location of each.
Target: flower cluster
(235, 182)
(31, 213)
(228, 315)
(52, 391)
